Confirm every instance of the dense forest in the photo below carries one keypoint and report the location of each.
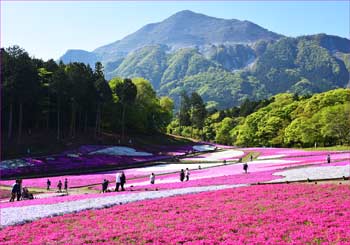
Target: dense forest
(70, 99)
(282, 120)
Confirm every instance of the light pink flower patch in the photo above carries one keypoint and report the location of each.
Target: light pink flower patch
(271, 214)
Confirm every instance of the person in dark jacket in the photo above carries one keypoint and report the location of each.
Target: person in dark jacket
(48, 184)
(15, 190)
(245, 167)
(105, 185)
(122, 180)
(66, 185)
(59, 186)
(182, 175)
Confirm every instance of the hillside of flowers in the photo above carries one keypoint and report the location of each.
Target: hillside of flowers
(269, 214)
(88, 157)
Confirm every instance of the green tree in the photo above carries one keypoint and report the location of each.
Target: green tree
(198, 111)
(184, 113)
(223, 133)
(126, 92)
(103, 95)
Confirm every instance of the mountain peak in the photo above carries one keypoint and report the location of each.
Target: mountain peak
(186, 29)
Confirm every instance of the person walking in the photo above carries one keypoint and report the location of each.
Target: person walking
(251, 158)
(182, 175)
(122, 180)
(245, 167)
(19, 190)
(59, 186)
(14, 191)
(66, 185)
(187, 174)
(117, 181)
(152, 178)
(105, 185)
(328, 158)
(48, 184)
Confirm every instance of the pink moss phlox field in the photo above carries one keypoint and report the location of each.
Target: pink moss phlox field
(59, 199)
(269, 214)
(287, 152)
(221, 180)
(73, 180)
(209, 181)
(312, 160)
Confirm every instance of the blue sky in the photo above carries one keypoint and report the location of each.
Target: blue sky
(47, 29)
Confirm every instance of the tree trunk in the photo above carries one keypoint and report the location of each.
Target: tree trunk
(9, 133)
(48, 114)
(98, 120)
(73, 121)
(20, 122)
(86, 122)
(58, 121)
(123, 122)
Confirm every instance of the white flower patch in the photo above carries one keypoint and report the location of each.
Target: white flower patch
(328, 172)
(13, 164)
(121, 151)
(271, 156)
(19, 215)
(173, 167)
(203, 147)
(218, 156)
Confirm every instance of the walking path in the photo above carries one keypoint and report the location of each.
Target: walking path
(18, 215)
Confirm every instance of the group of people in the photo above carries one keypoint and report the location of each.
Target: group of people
(120, 181)
(184, 175)
(20, 193)
(59, 185)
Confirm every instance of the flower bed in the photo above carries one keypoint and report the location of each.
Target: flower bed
(85, 158)
(270, 153)
(275, 214)
(217, 156)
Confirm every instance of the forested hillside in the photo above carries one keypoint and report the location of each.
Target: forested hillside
(282, 120)
(65, 100)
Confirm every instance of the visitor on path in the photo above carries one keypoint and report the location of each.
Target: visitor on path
(117, 181)
(328, 158)
(66, 185)
(187, 174)
(19, 193)
(245, 167)
(122, 180)
(48, 184)
(182, 175)
(14, 191)
(59, 186)
(152, 178)
(105, 185)
(251, 158)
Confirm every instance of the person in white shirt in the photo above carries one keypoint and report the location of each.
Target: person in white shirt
(152, 178)
(118, 181)
(187, 174)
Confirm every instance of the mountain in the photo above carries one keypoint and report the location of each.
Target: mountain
(183, 29)
(225, 61)
(78, 55)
